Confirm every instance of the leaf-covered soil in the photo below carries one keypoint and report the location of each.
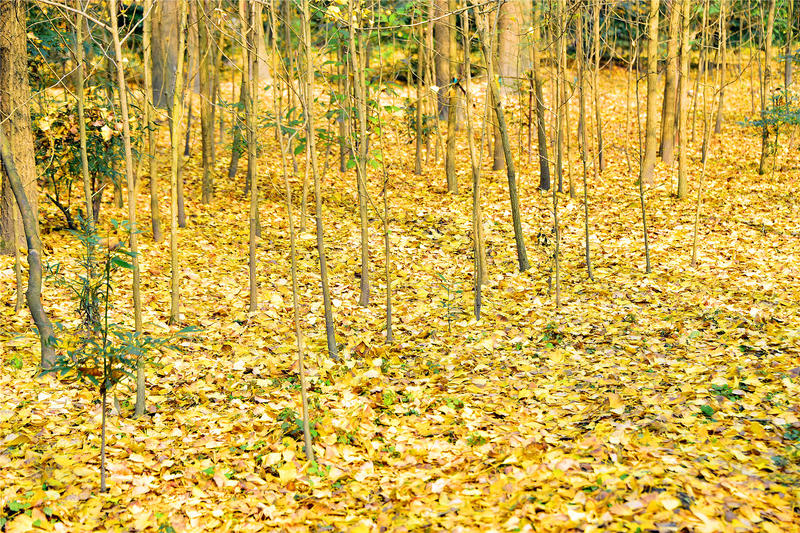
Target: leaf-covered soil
(660, 402)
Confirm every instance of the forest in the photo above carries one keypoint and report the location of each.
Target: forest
(399, 265)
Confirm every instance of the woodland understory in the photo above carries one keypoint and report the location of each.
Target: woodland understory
(646, 402)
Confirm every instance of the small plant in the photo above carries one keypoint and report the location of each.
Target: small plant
(707, 411)
(100, 352)
(724, 390)
(449, 304)
(316, 469)
(551, 336)
(454, 403)
(784, 112)
(292, 424)
(476, 440)
(58, 159)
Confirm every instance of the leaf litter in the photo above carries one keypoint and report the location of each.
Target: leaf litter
(663, 402)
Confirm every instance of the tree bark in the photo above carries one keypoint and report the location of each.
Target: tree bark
(152, 157)
(789, 59)
(683, 138)
(175, 119)
(649, 161)
(479, 249)
(441, 51)
(452, 101)
(31, 224)
(765, 82)
(541, 119)
(165, 51)
(311, 152)
(601, 154)
(253, 15)
(511, 174)
(15, 119)
(723, 55)
(670, 85)
(206, 117)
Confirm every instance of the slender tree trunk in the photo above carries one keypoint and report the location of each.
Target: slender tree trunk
(152, 157)
(541, 119)
(683, 107)
(356, 56)
(601, 158)
(15, 118)
(131, 184)
(238, 139)
(31, 225)
(253, 15)
(789, 58)
(706, 138)
(474, 156)
(581, 57)
(765, 82)
(561, 78)
(175, 119)
(420, 102)
(80, 97)
(723, 43)
(701, 65)
(19, 300)
(166, 18)
(670, 85)
(649, 160)
(308, 446)
(452, 100)
(206, 117)
(511, 174)
(441, 50)
(311, 149)
(387, 251)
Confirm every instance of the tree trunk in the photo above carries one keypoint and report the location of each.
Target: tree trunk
(131, 184)
(206, 41)
(441, 50)
(581, 58)
(15, 119)
(670, 85)
(357, 56)
(511, 174)
(420, 102)
(508, 45)
(31, 224)
(601, 157)
(541, 119)
(175, 119)
(152, 157)
(683, 139)
(311, 152)
(165, 51)
(765, 83)
(789, 58)
(561, 79)
(649, 161)
(253, 15)
(723, 44)
(452, 100)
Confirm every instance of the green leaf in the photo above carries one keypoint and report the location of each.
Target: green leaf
(119, 262)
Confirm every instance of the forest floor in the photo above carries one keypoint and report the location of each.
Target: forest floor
(647, 402)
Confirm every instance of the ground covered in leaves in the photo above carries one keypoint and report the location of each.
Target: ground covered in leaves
(662, 402)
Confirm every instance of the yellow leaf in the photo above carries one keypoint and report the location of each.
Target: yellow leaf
(287, 473)
(615, 401)
(670, 503)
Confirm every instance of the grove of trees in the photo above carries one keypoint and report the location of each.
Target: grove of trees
(398, 264)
